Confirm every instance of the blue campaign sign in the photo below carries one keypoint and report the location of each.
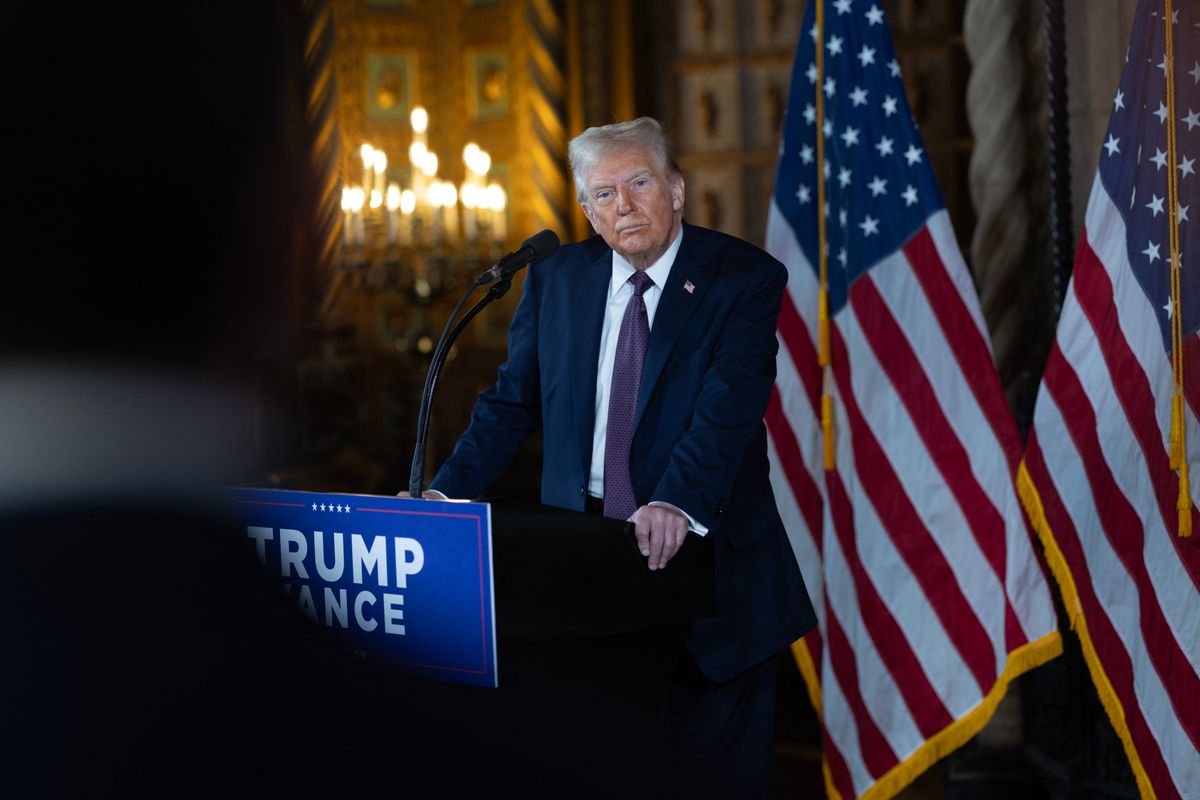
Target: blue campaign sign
(405, 581)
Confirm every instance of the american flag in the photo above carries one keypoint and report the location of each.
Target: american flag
(1097, 477)
(930, 597)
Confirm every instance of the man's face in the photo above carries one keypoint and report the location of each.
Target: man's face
(634, 205)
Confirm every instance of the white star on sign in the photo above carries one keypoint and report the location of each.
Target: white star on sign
(1111, 145)
(834, 46)
(1118, 101)
(866, 55)
(869, 226)
(314, 506)
(850, 136)
(322, 506)
(806, 154)
(1160, 158)
(1151, 252)
(889, 106)
(844, 176)
(859, 96)
(1155, 205)
(909, 195)
(884, 146)
(912, 154)
(1185, 167)
(877, 186)
(874, 16)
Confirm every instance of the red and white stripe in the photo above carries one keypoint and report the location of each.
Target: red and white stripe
(914, 549)
(1098, 457)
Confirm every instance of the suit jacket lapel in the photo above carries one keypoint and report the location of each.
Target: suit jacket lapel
(589, 294)
(675, 307)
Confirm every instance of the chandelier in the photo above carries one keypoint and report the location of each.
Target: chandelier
(421, 234)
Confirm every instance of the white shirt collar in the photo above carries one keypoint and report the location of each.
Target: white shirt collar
(658, 271)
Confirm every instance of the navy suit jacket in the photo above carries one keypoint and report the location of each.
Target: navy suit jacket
(699, 441)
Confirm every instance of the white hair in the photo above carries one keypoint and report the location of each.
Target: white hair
(586, 149)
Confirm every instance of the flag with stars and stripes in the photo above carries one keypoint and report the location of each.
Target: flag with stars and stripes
(1097, 477)
(929, 594)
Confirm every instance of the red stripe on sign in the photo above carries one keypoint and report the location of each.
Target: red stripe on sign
(895, 354)
(1108, 645)
(970, 350)
(787, 450)
(910, 536)
(924, 704)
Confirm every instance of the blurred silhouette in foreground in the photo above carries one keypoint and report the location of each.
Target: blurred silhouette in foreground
(161, 187)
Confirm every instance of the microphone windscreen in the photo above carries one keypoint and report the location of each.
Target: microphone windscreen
(542, 244)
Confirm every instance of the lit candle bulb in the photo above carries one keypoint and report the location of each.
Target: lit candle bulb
(368, 159)
(419, 119)
(380, 165)
(450, 203)
(357, 197)
(347, 216)
(408, 202)
(393, 212)
(498, 201)
(470, 203)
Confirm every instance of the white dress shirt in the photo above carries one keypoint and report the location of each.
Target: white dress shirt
(619, 292)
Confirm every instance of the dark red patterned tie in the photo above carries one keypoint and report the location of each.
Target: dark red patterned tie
(622, 401)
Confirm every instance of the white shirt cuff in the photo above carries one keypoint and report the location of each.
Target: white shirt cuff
(693, 525)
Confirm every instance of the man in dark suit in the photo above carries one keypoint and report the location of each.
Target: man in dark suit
(650, 395)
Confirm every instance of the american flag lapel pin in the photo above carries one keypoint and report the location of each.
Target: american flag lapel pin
(689, 287)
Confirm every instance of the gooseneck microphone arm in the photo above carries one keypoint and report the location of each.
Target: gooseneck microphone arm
(533, 249)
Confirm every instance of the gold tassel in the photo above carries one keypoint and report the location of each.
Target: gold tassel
(1177, 458)
(1185, 501)
(827, 429)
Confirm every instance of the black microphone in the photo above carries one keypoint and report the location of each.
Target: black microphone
(535, 248)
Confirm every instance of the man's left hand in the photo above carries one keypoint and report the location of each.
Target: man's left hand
(660, 533)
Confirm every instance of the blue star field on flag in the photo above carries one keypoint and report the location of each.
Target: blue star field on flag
(1134, 162)
(880, 188)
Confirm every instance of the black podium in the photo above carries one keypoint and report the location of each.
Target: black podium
(147, 653)
(588, 639)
